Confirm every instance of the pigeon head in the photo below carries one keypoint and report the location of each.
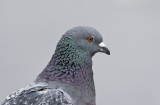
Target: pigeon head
(72, 62)
(88, 39)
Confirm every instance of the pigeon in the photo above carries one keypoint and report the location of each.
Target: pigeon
(68, 77)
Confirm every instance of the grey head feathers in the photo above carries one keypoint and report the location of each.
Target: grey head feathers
(81, 33)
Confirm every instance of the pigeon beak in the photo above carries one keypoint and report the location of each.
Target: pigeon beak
(103, 48)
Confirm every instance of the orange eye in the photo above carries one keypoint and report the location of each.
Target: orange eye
(90, 39)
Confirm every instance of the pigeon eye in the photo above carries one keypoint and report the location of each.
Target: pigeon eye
(90, 39)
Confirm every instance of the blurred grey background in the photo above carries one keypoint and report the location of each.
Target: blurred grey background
(30, 30)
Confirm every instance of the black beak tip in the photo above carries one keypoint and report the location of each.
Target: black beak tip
(105, 50)
(108, 52)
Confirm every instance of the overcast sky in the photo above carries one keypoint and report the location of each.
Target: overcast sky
(30, 30)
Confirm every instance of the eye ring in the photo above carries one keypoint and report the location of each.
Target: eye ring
(90, 39)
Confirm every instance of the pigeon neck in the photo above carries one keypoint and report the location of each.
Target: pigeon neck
(69, 64)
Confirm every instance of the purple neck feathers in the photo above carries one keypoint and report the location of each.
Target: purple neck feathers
(69, 64)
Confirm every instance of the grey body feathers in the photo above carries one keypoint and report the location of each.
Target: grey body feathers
(38, 95)
(68, 78)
